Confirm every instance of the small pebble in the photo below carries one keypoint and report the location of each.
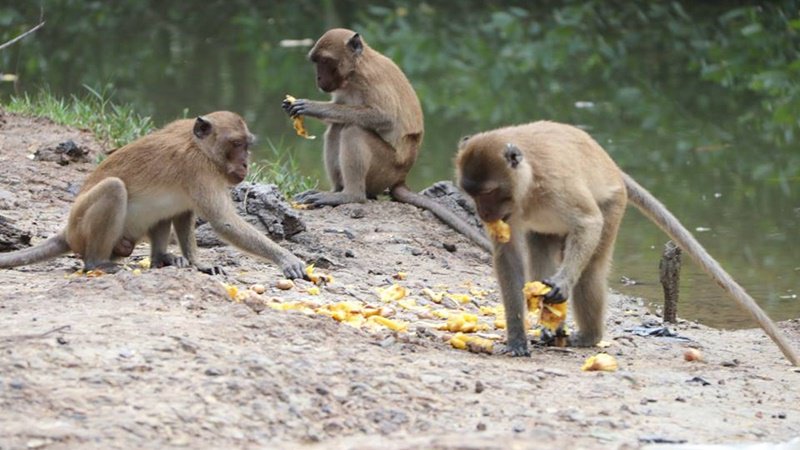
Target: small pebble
(449, 247)
(258, 288)
(213, 372)
(479, 387)
(284, 284)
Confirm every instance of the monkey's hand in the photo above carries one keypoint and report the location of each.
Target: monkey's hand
(557, 294)
(301, 107)
(292, 267)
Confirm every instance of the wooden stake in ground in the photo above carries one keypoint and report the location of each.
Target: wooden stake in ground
(670, 275)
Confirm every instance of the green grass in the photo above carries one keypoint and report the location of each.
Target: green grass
(113, 124)
(117, 125)
(280, 170)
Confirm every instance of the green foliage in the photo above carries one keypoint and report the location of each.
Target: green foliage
(282, 170)
(116, 125)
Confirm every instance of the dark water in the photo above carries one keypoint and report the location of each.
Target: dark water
(167, 59)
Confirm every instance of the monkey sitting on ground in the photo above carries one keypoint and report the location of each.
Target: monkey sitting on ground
(158, 182)
(374, 127)
(563, 198)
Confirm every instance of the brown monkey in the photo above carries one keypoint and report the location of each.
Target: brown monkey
(158, 182)
(564, 199)
(374, 127)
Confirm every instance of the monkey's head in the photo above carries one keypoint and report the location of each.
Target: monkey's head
(223, 136)
(487, 171)
(334, 56)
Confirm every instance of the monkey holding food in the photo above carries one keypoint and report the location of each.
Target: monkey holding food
(375, 127)
(158, 182)
(564, 197)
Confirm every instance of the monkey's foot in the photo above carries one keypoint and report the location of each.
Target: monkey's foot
(168, 259)
(211, 270)
(514, 349)
(578, 339)
(318, 199)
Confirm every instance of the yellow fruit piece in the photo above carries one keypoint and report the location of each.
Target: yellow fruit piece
(600, 361)
(480, 293)
(458, 342)
(442, 313)
(474, 344)
(463, 322)
(400, 276)
(392, 293)
(499, 231)
(291, 306)
(551, 315)
(144, 263)
(500, 324)
(297, 205)
(313, 290)
(460, 298)
(395, 325)
(435, 297)
(231, 290)
(137, 272)
(298, 122)
(318, 278)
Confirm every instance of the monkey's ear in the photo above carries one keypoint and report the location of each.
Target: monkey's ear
(513, 155)
(355, 44)
(463, 141)
(202, 127)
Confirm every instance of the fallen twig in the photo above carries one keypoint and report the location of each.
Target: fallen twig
(20, 337)
(12, 41)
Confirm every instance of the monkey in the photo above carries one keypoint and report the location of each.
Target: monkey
(564, 198)
(158, 182)
(375, 127)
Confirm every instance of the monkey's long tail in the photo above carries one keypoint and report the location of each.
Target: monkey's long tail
(402, 193)
(50, 248)
(658, 213)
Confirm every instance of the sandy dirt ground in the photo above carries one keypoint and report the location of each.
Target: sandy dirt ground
(164, 358)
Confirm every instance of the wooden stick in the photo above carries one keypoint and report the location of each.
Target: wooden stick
(9, 43)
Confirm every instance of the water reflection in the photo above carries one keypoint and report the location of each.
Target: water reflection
(492, 65)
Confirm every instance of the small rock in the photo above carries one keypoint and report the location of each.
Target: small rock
(416, 251)
(357, 213)
(479, 387)
(449, 247)
(126, 353)
(61, 340)
(258, 288)
(284, 284)
(213, 372)
(16, 384)
(322, 390)
(518, 428)
(349, 254)
(481, 426)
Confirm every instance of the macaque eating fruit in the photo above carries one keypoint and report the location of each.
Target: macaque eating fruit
(563, 198)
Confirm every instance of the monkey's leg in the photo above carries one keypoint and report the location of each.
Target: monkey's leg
(363, 161)
(544, 255)
(332, 141)
(97, 220)
(159, 240)
(509, 268)
(589, 297)
(332, 168)
(184, 229)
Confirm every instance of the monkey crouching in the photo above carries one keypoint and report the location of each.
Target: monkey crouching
(563, 198)
(157, 183)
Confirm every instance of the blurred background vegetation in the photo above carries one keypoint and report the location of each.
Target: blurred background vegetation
(700, 101)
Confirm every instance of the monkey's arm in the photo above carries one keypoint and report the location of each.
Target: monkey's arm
(361, 115)
(509, 267)
(184, 230)
(584, 233)
(218, 209)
